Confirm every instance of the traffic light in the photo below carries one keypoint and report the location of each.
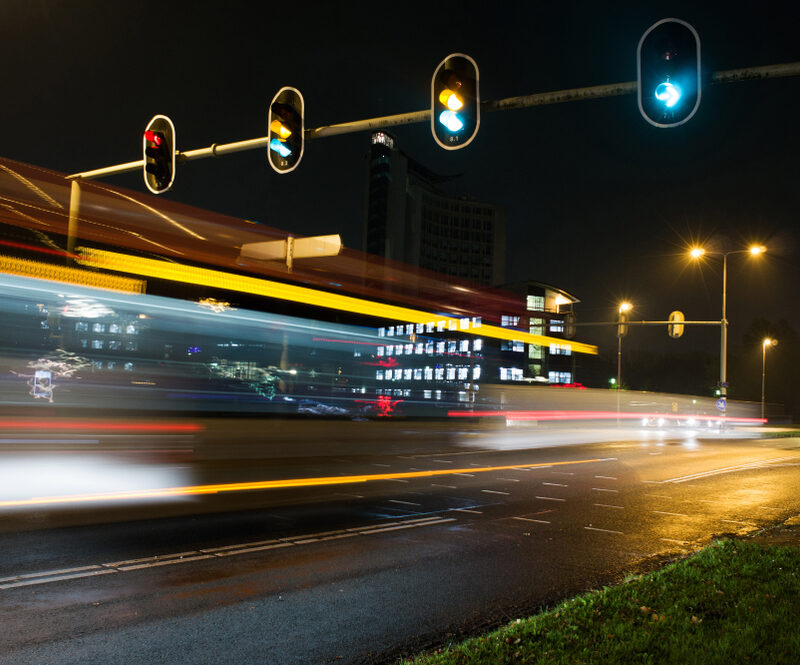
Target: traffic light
(668, 73)
(158, 146)
(622, 324)
(285, 122)
(455, 102)
(675, 326)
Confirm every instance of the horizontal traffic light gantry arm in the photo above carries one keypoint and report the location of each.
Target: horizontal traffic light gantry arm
(509, 103)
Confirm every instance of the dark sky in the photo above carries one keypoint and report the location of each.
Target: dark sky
(599, 202)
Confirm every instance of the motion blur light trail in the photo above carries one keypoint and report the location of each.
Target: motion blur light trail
(99, 425)
(198, 490)
(602, 415)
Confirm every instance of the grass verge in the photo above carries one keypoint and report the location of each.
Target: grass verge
(733, 602)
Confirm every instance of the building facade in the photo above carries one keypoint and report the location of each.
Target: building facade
(409, 218)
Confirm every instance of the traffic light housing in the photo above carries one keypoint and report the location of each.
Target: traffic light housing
(675, 326)
(668, 73)
(622, 324)
(285, 120)
(158, 147)
(455, 102)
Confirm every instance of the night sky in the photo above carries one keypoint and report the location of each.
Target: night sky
(599, 202)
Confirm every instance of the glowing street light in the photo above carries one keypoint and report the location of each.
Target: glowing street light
(622, 330)
(698, 253)
(768, 341)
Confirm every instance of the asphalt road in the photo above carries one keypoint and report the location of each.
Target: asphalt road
(421, 549)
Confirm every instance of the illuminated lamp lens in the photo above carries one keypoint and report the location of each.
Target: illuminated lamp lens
(277, 127)
(451, 100)
(280, 147)
(669, 93)
(451, 120)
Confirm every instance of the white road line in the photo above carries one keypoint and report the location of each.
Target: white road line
(591, 528)
(606, 477)
(383, 465)
(467, 510)
(496, 492)
(549, 498)
(555, 484)
(467, 475)
(530, 519)
(654, 482)
(45, 577)
(443, 461)
(405, 503)
(450, 487)
(394, 480)
(654, 453)
(603, 489)
(607, 505)
(564, 473)
(738, 522)
(508, 480)
(754, 464)
(664, 512)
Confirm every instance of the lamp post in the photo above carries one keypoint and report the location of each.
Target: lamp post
(767, 342)
(622, 330)
(697, 253)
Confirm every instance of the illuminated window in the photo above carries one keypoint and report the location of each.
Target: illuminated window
(114, 344)
(536, 351)
(430, 326)
(98, 327)
(97, 343)
(81, 326)
(476, 372)
(114, 328)
(420, 328)
(537, 327)
(418, 374)
(381, 332)
(477, 345)
(451, 373)
(128, 367)
(439, 374)
(463, 346)
(407, 374)
(130, 346)
(560, 350)
(440, 347)
(514, 345)
(440, 325)
(398, 350)
(559, 377)
(509, 321)
(451, 346)
(429, 347)
(438, 394)
(379, 375)
(410, 329)
(556, 325)
(131, 329)
(429, 373)
(84, 343)
(426, 394)
(463, 373)
(390, 331)
(476, 321)
(409, 349)
(535, 303)
(379, 352)
(389, 350)
(418, 349)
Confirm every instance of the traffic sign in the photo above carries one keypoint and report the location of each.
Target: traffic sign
(722, 404)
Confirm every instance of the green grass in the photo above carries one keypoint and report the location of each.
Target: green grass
(733, 602)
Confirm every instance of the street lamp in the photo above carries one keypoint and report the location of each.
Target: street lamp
(768, 341)
(622, 330)
(697, 253)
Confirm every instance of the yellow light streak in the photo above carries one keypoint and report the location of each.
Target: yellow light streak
(39, 270)
(200, 490)
(178, 272)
